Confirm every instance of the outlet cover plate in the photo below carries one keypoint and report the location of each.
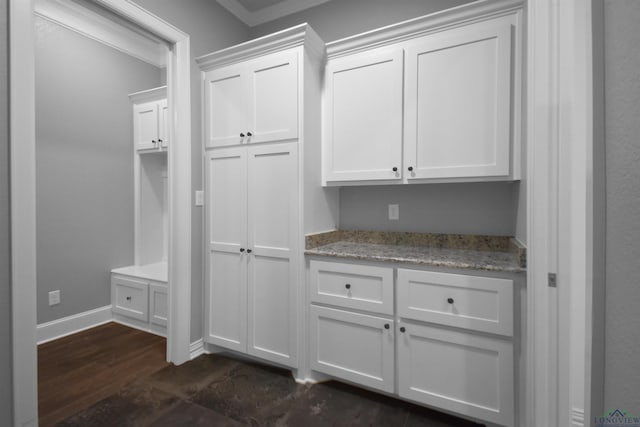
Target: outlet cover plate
(394, 212)
(54, 297)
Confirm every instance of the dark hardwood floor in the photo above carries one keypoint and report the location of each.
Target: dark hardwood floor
(80, 370)
(114, 376)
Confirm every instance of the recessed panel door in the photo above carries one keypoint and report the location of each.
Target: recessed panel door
(145, 126)
(458, 103)
(226, 95)
(363, 113)
(272, 227)
(226, 227)
(457, 371)
(273, 99)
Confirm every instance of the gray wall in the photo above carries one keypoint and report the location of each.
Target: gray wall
(84, 166)
(471, 208)
(622, 110)
(6, 387)
(210, 27)
(342, 18)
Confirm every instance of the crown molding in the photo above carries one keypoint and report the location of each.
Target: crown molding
(269, 13)
(454, 17)
(300, 35)
(154, 94)
(93, 25)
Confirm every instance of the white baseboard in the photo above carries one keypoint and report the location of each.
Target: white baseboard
(196, 349)
(71, 324)
(577, 418)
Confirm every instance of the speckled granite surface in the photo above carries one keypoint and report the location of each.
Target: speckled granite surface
(489, 253)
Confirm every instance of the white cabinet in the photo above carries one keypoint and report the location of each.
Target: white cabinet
(461, 372)
(150, 119)
(458, 103)
(261, 116)
(139, 297)
(448, 337)
(353, 346)
(363, 116)
(252, 101)
(344, 343)
(139, 292)
(458, 370)
(252, 200)
(435, 103)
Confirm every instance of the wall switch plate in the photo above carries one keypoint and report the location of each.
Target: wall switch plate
(54, 297)
(394, 212)
(199, 198)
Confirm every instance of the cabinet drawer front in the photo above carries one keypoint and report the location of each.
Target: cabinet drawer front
(479, 303)
(354, 347)
(130, 297)
(457, 371)
(360, 287)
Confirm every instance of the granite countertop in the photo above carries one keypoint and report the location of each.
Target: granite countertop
(488, 253)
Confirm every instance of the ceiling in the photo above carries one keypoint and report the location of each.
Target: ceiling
(256, 12)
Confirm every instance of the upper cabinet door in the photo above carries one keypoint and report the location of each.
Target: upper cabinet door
(273, 98)
(163, 123)
(458, 103)
(363, 116)
(145, 125)
(226, 106)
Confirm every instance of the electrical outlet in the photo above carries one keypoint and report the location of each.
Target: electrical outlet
(54, 297)
(394, 212)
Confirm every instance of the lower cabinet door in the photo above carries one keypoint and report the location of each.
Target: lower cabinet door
(158, 308)
(355, 347)
(130, 297)
(457, 371)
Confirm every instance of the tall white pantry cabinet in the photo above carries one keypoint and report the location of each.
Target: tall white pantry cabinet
(263, 190)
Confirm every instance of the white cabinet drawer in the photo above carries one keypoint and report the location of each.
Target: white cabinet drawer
(471, 302)
(130, 297)
(457, 371)
(354, 347)
(354, 286)
(158, 308)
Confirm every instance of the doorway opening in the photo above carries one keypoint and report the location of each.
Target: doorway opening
(175, 189)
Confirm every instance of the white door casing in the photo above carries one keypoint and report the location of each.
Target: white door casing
(23, 207)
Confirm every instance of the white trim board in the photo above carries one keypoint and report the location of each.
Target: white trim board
(91, 24)
(59, 328)
(196, 349)
(577, 418)
(269, 13)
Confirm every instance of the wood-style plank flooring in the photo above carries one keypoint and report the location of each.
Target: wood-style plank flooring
(110, 376)
(79, 370)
